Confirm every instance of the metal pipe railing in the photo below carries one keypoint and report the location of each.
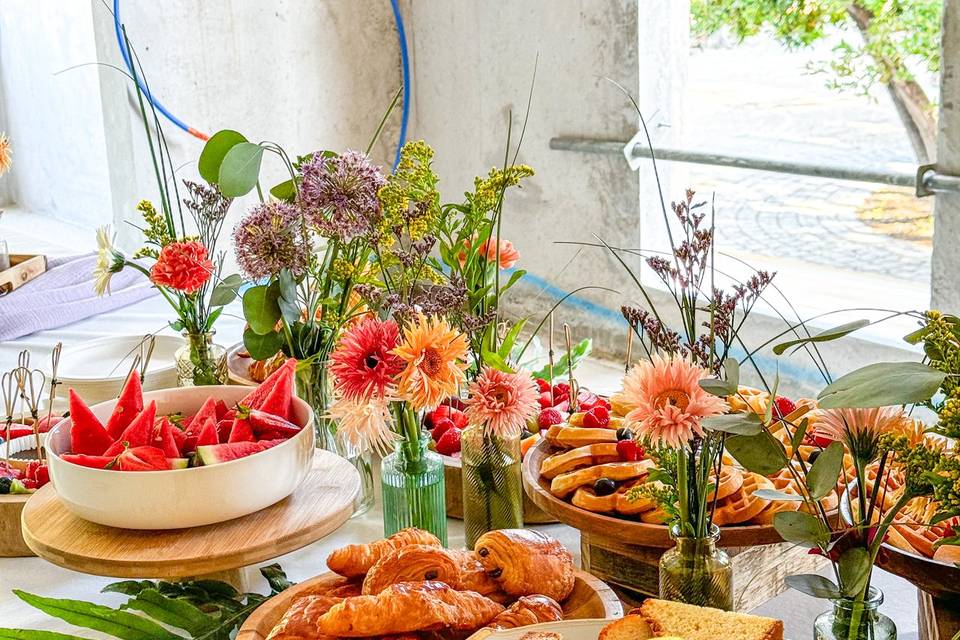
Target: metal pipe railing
(926, 181)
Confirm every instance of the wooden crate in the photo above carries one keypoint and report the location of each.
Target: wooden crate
(23, 268)
(758, 571)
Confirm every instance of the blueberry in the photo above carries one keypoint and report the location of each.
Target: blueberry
(604, 487)
(525, 434)
(624, 433)
(813, 456)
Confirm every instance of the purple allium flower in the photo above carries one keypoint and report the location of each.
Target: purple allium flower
(270, 238)
(339, 194)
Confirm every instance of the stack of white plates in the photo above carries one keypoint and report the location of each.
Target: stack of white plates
(97, 369)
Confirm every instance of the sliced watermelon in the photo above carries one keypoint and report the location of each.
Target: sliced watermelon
(138, 434)
(223, 429)
(143, 459)
(264, 423)
(163, 438)
(241, 431)
(279, 401)
(256, 398)
(208, 435)
(179, 463)
(222, 409)
(129, 405)
(180, 437)
(87, 434)
(207, 410)
(216, 453)
(96, 462)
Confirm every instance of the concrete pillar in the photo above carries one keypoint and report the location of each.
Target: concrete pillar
(945, 267)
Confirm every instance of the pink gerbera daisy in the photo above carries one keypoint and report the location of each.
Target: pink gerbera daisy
(502, 402)
(860, 429)
(669, 403)
(363, 364)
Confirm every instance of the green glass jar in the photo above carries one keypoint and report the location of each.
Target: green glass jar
(413, 490)
(852, 619)
(695, 571)
(492, 488)
(200, 361)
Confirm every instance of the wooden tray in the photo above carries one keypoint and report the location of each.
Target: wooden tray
(453, 480)
(23, 269)
(629, 531)
(591, 598)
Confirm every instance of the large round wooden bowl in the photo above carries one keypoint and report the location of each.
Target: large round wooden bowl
(591, 598)
(612, 527)
(453, 478)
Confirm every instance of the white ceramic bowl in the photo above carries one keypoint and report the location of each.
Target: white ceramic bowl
(182, 497)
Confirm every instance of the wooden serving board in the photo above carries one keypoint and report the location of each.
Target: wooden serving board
(591, 598)
(23, 269)
(453, 480)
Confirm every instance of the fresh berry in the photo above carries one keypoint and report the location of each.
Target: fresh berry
(526, 434)
(456, 403)
(783, 407)
(549, 417)
(597, 417)
(459, 418)
(563, 406)
(604, 487)
(602, 402)
(442, 426)
(623, 433)
(561, 388)
(546, 400)
(813, 456)
(628, 450)
(449, 442)
(587, 400)
(430, 420)
(542, 385)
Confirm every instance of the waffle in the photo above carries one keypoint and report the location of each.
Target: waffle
(636, 507)
(619, 405)
(654, 516)
(742, 505)
(566, 483)
(782, 481)
(573, 437)
(587, 456)
(731, 479)
(586, 498)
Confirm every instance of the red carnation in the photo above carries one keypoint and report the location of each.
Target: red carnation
(183, 266)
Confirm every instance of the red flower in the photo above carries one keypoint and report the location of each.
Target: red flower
(183, 266)
(363, 363)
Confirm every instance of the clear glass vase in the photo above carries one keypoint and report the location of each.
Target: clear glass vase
(315, 387)
(414, 495)
(855, 619)
(695, 571)
(492, 488)
(200, 362)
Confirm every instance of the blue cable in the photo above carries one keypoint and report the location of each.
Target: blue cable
(405, 64)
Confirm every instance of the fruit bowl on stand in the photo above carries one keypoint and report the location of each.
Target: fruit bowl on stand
(186, 497)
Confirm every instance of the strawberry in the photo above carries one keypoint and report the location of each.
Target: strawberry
(542, 385)
(549, 417)
(546, 400)
(629, 451)
(460, 419)
(449, 442)
(782, 407)
(597, 417)
(442, 426)
(587, 400)
(430, 420)
(561, 388)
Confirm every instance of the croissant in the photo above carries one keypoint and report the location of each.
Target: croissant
(473, 577)
(356, 559)
(300, 620)
(407, 607)
(526, 611)
(413, 563)
(525, 562)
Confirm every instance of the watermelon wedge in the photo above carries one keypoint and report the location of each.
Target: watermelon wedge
(138, 434)
(264, 423)
(163, 438)
(279, 401)
(207, 410)
(241, 431)
(96, 462)
(208, 435)
(216, 453)
(180, 437)
(87, 435)
(223, 429)
(129, 405)
(256, 398)
(143, 459)
(222, 409)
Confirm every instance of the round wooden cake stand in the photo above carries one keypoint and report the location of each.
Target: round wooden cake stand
(322, 503)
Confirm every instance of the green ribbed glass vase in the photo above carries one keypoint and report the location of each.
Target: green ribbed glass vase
(492, 489)
(414, 493)
(697, 572)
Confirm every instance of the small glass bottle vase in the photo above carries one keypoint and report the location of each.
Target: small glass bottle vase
(492, 489)
(200, 362)
(414, 494)
(853, 620)
(695, 571)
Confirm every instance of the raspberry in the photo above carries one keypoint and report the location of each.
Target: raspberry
(542, 385)
(597, 417)
(546, 400)
(782, 407)
(442, 426)
(449, 442)
(548, 418)
(628, 450)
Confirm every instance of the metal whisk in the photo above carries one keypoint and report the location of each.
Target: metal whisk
(8, 386)
(31, 383)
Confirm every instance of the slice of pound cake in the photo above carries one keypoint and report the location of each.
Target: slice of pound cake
(689, 622)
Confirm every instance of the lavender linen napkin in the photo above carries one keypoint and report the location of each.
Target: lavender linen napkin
(64, 294)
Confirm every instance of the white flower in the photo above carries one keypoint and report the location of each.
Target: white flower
(364, 424)
(109, 261)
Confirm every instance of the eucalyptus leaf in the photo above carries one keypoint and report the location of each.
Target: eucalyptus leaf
(261, 307)
(720, 388)
(801, 528)
(855, 567)
(760, 453)
(214, 151)
(286, 191)
(240, 169)
(226, 291)
(173, 612)
(119, 624)
(773, 494)
(882, 384)
(824, 336)
(262, 346)
(797, 438)
(813, 585)
(731, 370)
(744, 424)
(289, 308)
(823, 474)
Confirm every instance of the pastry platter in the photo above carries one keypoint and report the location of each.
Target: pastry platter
(591, 599)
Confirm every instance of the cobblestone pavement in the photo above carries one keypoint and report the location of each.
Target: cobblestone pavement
(757, 99)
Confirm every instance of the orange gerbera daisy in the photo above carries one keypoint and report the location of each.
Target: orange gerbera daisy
(434, 354)
(669, 403)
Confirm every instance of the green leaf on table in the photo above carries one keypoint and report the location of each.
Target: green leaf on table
(285, 191)
(240, 169)
(214, 151)
(882, 384)
(119, 624)
(854, 567)
(813, 585)
(262, 346)
(173, 612)
(825, 471)
(276, 577)
(28, 634)
(226, 291)
(801, 528)
(261, 307)
(129, 587)
(824, 336)
(743, 424)
(760, 453)
(720, 388)
(773, 494)
(287, 301)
